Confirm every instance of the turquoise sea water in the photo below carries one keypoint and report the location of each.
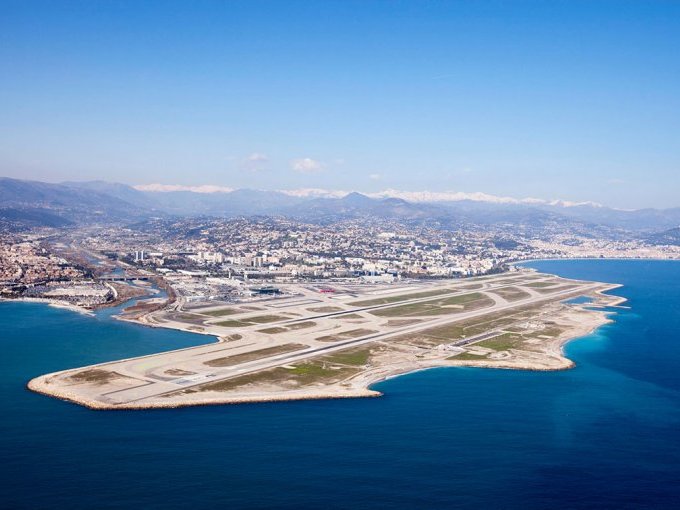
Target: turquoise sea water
(603, 435)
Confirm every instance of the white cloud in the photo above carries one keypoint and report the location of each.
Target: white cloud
(457, 196)
(375, 177)
(306, 165)
(442, 196)
(409, 196)
(255, 162)
(314, 193)
(165, 188)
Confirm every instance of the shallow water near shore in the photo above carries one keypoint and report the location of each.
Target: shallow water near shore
(605, 434)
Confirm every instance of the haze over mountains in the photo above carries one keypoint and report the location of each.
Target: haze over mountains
(32, 203)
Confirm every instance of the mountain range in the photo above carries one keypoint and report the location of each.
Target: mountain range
(31, 203)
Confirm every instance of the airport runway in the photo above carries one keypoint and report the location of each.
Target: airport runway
(154, 388)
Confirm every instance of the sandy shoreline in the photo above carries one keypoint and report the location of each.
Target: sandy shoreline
(55, 303)
(122, 294)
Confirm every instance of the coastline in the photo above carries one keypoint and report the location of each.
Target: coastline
(557, 259)
(55, 303)
(122, 294)
(574, 321)
(39, 385)
(454, 405)
(360, 385)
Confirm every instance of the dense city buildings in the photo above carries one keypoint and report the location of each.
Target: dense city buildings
(222, 258)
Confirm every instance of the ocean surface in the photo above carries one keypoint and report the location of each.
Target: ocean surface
(603, 435)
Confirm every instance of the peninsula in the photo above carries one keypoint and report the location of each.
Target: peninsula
(334, 340)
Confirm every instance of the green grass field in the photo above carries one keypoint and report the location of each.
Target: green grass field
(253, 355)
(463, 329)
(559, 288)
(233, 324)
(345, 335)
(273, 331)
(347, 316)
(326, 309)
(467, 356)
(249, 321)
(502, 342)
(541, 285)
(357, 357)
(464, 302)
(402, 297)
(301, 325)
(263, 319)
(221, 312)
(512, 293)
(313, 372)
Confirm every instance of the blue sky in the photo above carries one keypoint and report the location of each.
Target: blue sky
(573, 100)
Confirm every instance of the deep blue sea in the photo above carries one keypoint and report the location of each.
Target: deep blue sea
(603, 435)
